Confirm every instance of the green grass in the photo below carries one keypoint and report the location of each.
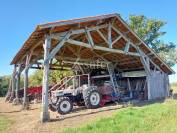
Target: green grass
(4, 123)
(155, 118)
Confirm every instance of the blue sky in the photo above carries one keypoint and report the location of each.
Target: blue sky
(18, 18)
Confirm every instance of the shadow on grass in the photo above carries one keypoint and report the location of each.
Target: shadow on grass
(146, 102)
(8, 112)
(83, 114)
(107, 107)
(16, 111)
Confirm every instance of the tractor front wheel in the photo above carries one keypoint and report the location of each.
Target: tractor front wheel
(65, 105)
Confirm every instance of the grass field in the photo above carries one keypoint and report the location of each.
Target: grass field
(4, 123)
(155, 118)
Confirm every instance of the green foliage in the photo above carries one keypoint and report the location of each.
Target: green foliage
(156, 118)
(150, 31)
(36, 78)
(54, 76)
(4, 85)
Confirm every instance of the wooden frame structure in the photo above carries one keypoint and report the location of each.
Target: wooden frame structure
(107, 37)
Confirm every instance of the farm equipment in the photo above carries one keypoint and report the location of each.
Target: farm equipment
(92, 90)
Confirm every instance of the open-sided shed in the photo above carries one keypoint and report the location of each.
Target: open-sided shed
(105, 37)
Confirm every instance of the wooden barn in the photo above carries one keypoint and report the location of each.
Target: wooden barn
(105, 38)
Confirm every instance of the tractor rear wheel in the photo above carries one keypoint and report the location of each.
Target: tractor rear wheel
(65, 105)
(92, 98)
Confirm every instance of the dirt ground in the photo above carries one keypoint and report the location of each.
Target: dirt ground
(29, 121)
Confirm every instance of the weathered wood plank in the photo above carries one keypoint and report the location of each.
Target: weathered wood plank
(45, 113)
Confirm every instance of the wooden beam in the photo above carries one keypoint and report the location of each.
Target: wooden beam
(109, 35)
(102, 63)
(127, 46)
(31, 50)
(144, 62)
(79, 31)
(51, 68)
(123, 36)
(59, 45)
(72, 50)
(96, 18)
(73, 59)
(137, 46)
(129, 62)
(118, 38)
(155, 65)
(89, 37)
(102, 36)
(78, 43)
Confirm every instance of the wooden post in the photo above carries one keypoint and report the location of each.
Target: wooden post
(27, 66)
(148, 79)
(13, 84)
(167, 85)
(146, 63)
(17, 82)
(25, 100)
(17, 85)
(129, 88)
(45, 116)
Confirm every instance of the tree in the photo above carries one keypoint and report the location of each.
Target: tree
(150, 31)
(4, 85)
(36, 78)
(54, 76)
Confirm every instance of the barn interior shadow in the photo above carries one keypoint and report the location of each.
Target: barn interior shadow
(146, 102)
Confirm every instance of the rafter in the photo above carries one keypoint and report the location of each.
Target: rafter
(59, 45)
(79, 31)
(118, 38)
(71, 41)
(145, 62)
(136, 47)
(102, 36)
(127, 46)
(89, 37)
(30, 51)
(109, 35)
